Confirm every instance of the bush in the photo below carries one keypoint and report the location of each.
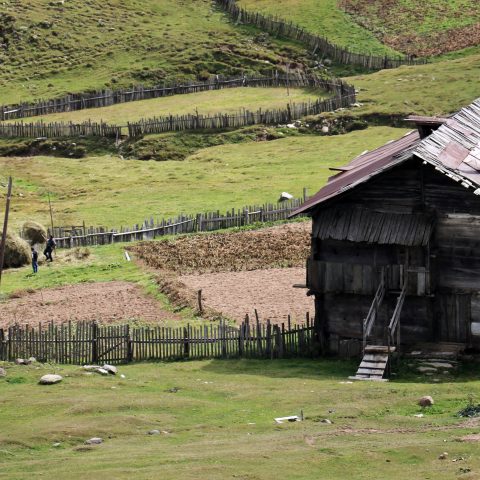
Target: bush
(34, 232)
(17, 252)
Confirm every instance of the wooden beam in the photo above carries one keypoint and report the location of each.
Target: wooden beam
(5, 224)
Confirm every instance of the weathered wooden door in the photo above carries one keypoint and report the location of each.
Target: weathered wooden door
(453, 317)
(112, 344)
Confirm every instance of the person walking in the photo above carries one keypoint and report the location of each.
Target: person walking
(34, 260)
(49, 248)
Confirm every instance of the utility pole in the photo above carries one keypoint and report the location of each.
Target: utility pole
(5, 223)
(51, 214)
(288, 80)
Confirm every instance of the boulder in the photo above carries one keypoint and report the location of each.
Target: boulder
(3, 372)
(110, 369)
(50, 379)
(21, 361)
(94, 441)
(426, 401)
(154, 432)
(102, 371)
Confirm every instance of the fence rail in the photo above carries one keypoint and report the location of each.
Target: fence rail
(319, 45)
(106, 98)
(82, 236)
(86, 343)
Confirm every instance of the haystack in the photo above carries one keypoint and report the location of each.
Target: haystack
(17, 252)
(34, 232)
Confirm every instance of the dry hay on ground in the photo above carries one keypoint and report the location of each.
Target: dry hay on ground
(269, 291)
(17, 252)
(281, 246)
(105, 302)
(237, 272)
(34, 232)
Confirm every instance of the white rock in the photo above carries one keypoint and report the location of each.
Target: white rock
(50, 379)
(102, 371)
(56, 445)
(110, 369)
(325, 129)
(91, 368)
(122, 375)
(154, 432)
(94, 441)
(32, 360)
(3, 372)
(285, 196)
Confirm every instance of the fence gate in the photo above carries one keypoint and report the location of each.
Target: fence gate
(111, 344)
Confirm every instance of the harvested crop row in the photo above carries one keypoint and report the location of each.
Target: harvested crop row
(276, 247)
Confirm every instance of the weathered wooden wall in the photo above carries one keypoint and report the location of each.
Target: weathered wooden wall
(443, 299)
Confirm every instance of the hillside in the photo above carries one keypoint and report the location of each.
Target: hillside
(108, 190)
(54, 47)
(419, 28)
(383, 27)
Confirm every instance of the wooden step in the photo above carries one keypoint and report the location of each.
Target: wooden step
(378, 349)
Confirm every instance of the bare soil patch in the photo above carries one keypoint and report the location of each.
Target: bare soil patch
(106, 302)
(237, 272)
(270, 291)
(419, 28)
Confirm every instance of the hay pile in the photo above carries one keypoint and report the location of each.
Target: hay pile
(34, 232)
(17, 252)
(276, 247)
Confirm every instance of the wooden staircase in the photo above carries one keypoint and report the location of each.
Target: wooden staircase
(376, 358)
(374, 363)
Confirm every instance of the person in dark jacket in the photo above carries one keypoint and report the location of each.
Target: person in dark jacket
(34, 260)
(49, 248)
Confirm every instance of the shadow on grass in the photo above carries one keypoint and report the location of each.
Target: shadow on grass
(319, 368)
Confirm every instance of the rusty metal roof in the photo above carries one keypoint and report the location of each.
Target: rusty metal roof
(453, 149)
(362, 168)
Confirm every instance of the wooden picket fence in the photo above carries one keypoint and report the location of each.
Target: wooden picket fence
(59, 129)
(91, 343)
(82, 236)
(319, 45)
(293, 111)
(106, 98)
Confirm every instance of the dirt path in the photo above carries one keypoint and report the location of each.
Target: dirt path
(106, 302)
(269, 291)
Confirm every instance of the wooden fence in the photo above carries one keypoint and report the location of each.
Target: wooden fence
(90, 343)
(77, 236)
(105, 98)
(221, 121)
(59, 129)
(319, 45)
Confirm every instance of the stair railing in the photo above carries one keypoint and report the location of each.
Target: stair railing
(369, 320)
(393, 329)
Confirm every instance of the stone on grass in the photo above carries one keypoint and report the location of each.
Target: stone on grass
(443, 456)
(110, 369)
(21, 361)
(50, 379)
(154, 432)
(426, 401)
(3, 372)
(56, 445)
(94, 441)
(101, 371)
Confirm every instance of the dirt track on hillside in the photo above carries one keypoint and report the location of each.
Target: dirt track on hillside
(106, 302)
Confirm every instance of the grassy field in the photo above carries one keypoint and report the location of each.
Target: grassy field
(423, 28)
(52, 48)
(431, 89)
(324, 18)
(220, 423)
(215, 101)
(110, 190)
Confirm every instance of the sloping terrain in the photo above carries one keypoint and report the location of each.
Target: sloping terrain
(423, 28)
(49, 48)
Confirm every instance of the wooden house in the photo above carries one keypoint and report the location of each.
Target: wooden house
(395, 255)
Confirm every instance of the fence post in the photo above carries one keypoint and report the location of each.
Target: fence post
(246, 218)
(186, 342)
(129, 345)
(94, 342)
(224, 340)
